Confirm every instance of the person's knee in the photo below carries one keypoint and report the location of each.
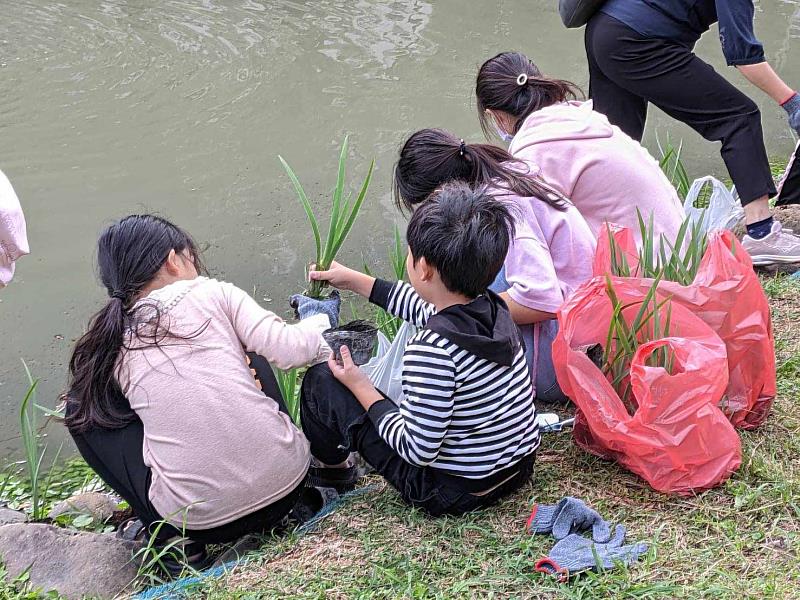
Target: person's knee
(318, 376)
(747, 117)
(317, 390)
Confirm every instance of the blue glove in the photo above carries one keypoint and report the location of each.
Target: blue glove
(792, 108)
(305, 307)
(570, 515)
(575, 553)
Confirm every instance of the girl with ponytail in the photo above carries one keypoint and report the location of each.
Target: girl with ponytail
(607, 174)
(551, 253)
(162, 403)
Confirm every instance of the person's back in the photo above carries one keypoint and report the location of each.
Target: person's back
(468, 400)
(563, 240)
(172, 400)
(205, 420)
(606, 174)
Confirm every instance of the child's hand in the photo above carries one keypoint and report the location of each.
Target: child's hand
(348, 372)
(337, 275)
(344, 278)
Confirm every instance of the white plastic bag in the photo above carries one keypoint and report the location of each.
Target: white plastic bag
(724, 210)
(385, 370)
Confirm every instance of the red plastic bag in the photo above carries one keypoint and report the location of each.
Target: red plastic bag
(678, 440)
(727, 295)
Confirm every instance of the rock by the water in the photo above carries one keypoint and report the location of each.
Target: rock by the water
(12, 516)
(76, 564)
(99, 506)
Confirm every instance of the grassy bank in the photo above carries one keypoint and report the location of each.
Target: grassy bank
(738, 541)
(741, 540)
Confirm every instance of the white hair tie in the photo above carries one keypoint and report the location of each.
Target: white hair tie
(522, 79)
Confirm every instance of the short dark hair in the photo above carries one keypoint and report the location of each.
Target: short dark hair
(464, 234)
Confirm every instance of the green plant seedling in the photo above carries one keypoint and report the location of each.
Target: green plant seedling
(289, 386)
(673, 166)
(31, 443)
(343, 216)
(623, 338)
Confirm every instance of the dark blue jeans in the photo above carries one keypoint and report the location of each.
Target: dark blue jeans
(336, 424)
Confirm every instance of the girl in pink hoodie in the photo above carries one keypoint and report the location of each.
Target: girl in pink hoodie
(605, 173)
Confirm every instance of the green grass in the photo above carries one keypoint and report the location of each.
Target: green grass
(741, 540)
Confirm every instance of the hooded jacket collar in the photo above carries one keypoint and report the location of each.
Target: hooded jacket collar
(483, 327)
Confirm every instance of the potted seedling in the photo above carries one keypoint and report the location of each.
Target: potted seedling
(359, 336)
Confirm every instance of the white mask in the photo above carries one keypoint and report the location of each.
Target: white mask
(506, 137)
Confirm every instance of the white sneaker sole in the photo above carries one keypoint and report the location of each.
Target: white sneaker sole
(763, 260)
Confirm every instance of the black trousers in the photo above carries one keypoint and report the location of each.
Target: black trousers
(116, 456)
(627, 71)
(336, 424)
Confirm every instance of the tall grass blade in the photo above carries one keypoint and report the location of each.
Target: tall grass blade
(397, 255)
(287, 384)
(301, 194)
(30, 442)
(345, 230)
(336, 210)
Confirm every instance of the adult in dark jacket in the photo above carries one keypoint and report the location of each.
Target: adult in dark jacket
(640, 51)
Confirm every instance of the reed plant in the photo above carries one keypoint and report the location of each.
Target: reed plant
(677, 261)
(289, 387)
(388, 323)
(34, 450)
(624, 338)
(674, 168)
(344, 212)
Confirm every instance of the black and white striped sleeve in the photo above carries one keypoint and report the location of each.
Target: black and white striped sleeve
(417, 428)
(401, 300)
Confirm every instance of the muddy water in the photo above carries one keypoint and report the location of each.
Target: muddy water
(108, 108)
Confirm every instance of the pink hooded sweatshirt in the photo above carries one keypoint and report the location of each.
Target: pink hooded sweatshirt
(605, 173)
(13, 238)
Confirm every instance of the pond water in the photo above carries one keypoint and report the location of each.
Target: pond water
(181, 107)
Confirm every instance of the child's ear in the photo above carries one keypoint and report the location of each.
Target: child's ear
(172, 264)
(427, 271)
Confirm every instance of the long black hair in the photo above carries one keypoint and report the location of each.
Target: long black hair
(510, 82)
(129, 254)
(432, 157)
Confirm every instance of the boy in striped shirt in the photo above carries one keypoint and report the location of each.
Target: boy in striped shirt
(465, 433)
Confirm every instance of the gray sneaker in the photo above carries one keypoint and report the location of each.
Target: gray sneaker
(780, 246)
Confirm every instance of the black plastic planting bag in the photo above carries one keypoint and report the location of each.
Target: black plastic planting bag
(789, 189)
(576, 13)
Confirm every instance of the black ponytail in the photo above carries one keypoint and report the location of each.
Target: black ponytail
(511, 83)
(129, 254)
(432, 157)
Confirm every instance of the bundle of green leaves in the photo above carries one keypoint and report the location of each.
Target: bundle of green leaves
(343, 216)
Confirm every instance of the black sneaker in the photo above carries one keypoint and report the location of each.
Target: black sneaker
(342, 479)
